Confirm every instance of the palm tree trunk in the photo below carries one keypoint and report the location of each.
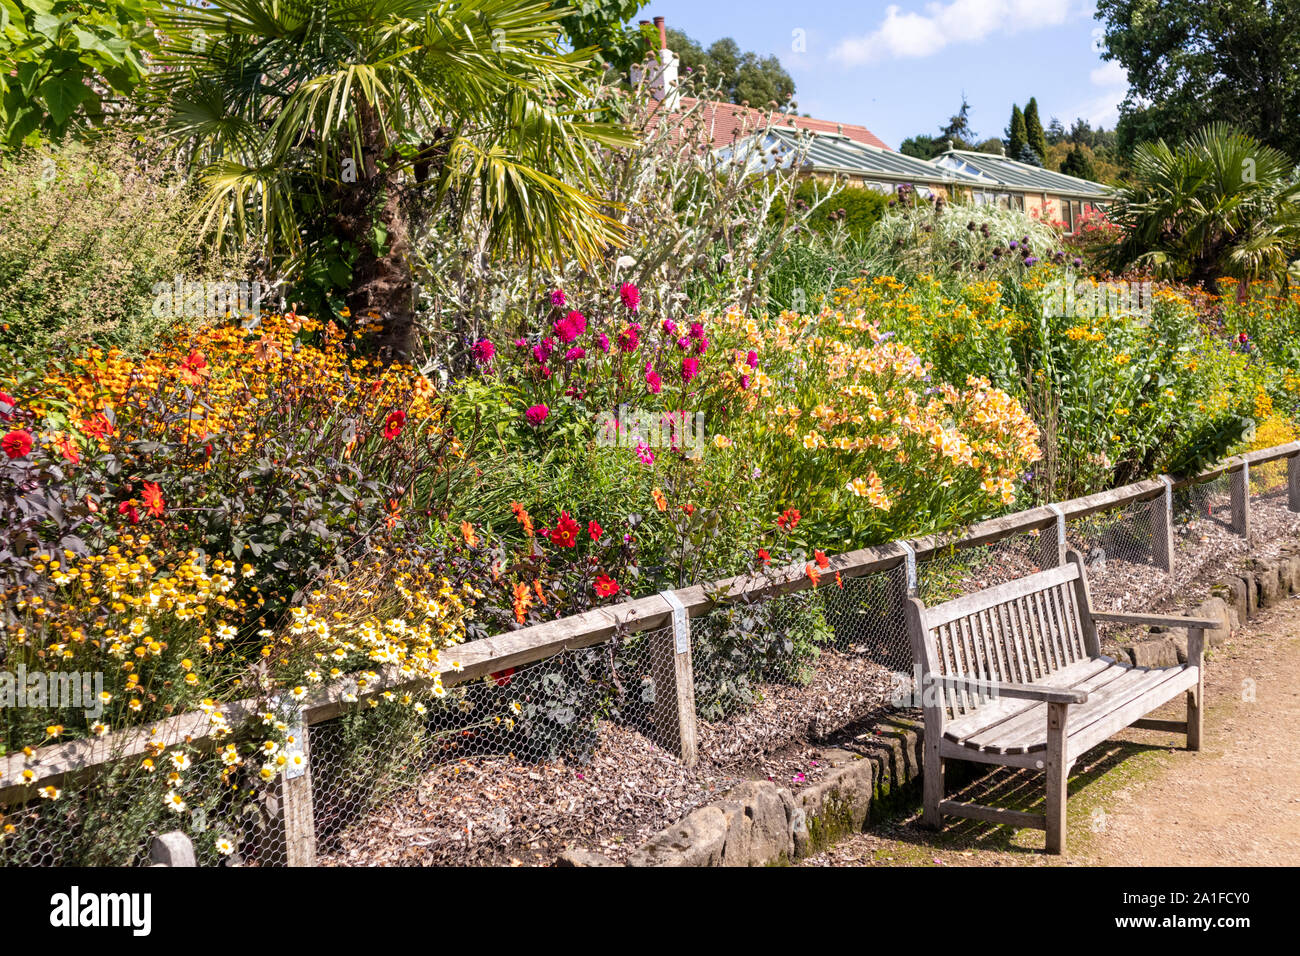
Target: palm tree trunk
(382, 281)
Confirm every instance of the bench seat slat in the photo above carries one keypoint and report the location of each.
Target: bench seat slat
(1031, 722)
(1005, 707)
(1094, 720)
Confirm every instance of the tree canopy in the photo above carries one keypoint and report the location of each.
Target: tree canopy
(1190, 62)
(747, 77)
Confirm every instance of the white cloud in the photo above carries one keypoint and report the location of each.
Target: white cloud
(1109, 74)
(1102, 108)
(904, 35)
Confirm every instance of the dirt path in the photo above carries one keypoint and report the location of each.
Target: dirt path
(1141, 799)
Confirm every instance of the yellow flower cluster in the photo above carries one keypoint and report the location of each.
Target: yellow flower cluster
(385, 613)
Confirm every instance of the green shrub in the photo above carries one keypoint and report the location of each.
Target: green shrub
(851, 211)
(87, 232)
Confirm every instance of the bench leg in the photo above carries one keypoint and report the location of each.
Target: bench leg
(932, 785)
(1058, 772)
(1195, 715)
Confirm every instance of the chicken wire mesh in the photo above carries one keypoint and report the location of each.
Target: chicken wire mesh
(109, 814)
(791, 669)
(583, 746)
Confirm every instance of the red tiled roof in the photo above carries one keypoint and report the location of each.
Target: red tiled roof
(727, 119)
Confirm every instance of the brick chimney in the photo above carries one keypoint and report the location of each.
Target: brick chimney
(658, 71)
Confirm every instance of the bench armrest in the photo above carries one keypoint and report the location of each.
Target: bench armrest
(994, 688)
(1157, 620)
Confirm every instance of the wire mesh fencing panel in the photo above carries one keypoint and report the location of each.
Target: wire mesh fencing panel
(1120, 551)
(579, 747)
(110, 814)
(775, 675)
(955, 571)
(1205, 542)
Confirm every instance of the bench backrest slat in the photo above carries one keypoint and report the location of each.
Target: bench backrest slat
(1018, 632)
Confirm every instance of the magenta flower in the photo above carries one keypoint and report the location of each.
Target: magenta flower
(683, 343)
(603, 341)
(654, 382)
(483, 351)
(537, 414)
(752, 359)
(690, 368)
(644, 453)
(570, 327)
(628, 340)
(574, 353)
(744, 382)
(697, 329)
(630, 295)
(670, 327)
(558, 298)
(701, 344)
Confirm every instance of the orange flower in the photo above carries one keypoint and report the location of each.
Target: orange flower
(839, 580)
(467, 532)
(822, 560)
(522, 517)
(813, 574)
(537, 586)
(393, 513)
(523, 601)
(153, 499)
(66, 447)
(97, 427)
(194, 367)
(660, 501)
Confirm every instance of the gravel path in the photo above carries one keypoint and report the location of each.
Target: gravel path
(1143, 800)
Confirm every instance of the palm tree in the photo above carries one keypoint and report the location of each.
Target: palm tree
(352, 120)
(1221, 204)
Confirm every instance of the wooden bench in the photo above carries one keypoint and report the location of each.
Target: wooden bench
(1014, 675)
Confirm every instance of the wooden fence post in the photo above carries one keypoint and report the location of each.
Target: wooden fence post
(296, 809)
(1293, 482)
(1051, 542)
(1241, 500)
(674, 704)
(1162, 527)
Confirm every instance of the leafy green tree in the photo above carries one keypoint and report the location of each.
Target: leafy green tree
(1077, 163)
(1055, 132)
(1034, 134)
(601, 25)
(1221, 203)
(64, 62)
(1190, 62)
(331, 129)
(958, 128)
(922, 146)
(1017, 134)
(746, 77)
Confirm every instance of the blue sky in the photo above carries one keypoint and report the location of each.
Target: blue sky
(901, 68)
